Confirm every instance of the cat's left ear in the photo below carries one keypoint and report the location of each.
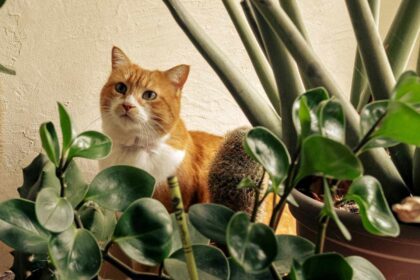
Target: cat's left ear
(178, 75)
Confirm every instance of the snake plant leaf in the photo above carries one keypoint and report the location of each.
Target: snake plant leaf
(4, 69)
(291, 248)
(66, 126)
(99, 221)
(371, 116)
(407, 89)
(210, 261)
(19, 227)
(375, 213)
(331, 120)
(401, 123)
(91, 145)
(144, 231)
(76, 186)
(329, 210)
(326, 157)
(323, 266)
(364, 269)
(304, 112)
(53, 212)
(195, 236)
(211, 220)
(49, 141)
(264, 147)
(75, 254)
(238, 273)
(116, 187)
(252, 245)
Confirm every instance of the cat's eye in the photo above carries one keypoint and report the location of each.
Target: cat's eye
(149, 95)
(121, 88)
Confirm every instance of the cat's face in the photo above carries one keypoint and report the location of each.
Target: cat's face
(139, 101)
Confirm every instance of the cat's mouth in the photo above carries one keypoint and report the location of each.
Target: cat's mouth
(127, 117)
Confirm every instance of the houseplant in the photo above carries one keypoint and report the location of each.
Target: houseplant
(279, 48)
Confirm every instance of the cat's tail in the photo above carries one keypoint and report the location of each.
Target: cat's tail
(230, 165)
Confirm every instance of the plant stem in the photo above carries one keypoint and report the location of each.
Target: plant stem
(322, 233)
(257, 201)
(276, 275)
(253, 24)
(259, 61)
(245, 95)
(77, 220)
(366, 137)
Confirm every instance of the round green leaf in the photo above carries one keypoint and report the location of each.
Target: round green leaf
(252, 245)
(289, 248)
(211, 220)
(238, 273)
(116, 187)
(326, 157)
(323, 266)
(49, 141)
(99, 221)
(53, 212)
(210, 261)
(264, 147)
(375, 213)
(76, 186)
(400, 124)
(195, 236)
(19, 227)
(91, 145)
(332, 123)
(369, 117)
(407, 89)
(364, 269)
(75, 254)
(144, 231)
(66, 126)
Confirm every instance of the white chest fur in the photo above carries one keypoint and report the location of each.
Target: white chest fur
(161, 160)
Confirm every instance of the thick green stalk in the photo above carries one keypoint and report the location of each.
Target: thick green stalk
(399, 42)
(253, 25)
(257, 110)
(287, 77)
(379, 72)
(376, 161)
(359, 81)
(259, 61)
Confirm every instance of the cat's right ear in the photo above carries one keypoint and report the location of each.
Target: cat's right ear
(119, 58)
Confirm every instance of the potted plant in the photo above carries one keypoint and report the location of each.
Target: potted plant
(276, 41)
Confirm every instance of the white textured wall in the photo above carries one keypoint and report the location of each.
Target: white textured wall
(61, 52)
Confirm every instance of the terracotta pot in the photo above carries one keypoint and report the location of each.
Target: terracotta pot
(397, 258)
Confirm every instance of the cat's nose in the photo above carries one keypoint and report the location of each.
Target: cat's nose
(127, 107)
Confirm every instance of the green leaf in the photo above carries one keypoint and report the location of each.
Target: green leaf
(76, 186)
(4, 69)
(75, 254)
(401, 124)
(264, 147)
(329, 210)
(32, 175)
(332, 122)
(118, 186)
(304, 112)
(247, 183)
(363, 269)
(407, 89)
(323, 266)
(252, 245)
(91, 145)
(375, 213)
(238, 273)
(289, 248)
(49, 141)
(144, 231)
(66, 126)
(195, 236)
(53, 212)
(19, 227)
(210, 261)
(211, 220)
(99, 221)
(326, 157)
(370, 115)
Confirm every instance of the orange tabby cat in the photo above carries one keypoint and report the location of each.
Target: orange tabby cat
(141, 113)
